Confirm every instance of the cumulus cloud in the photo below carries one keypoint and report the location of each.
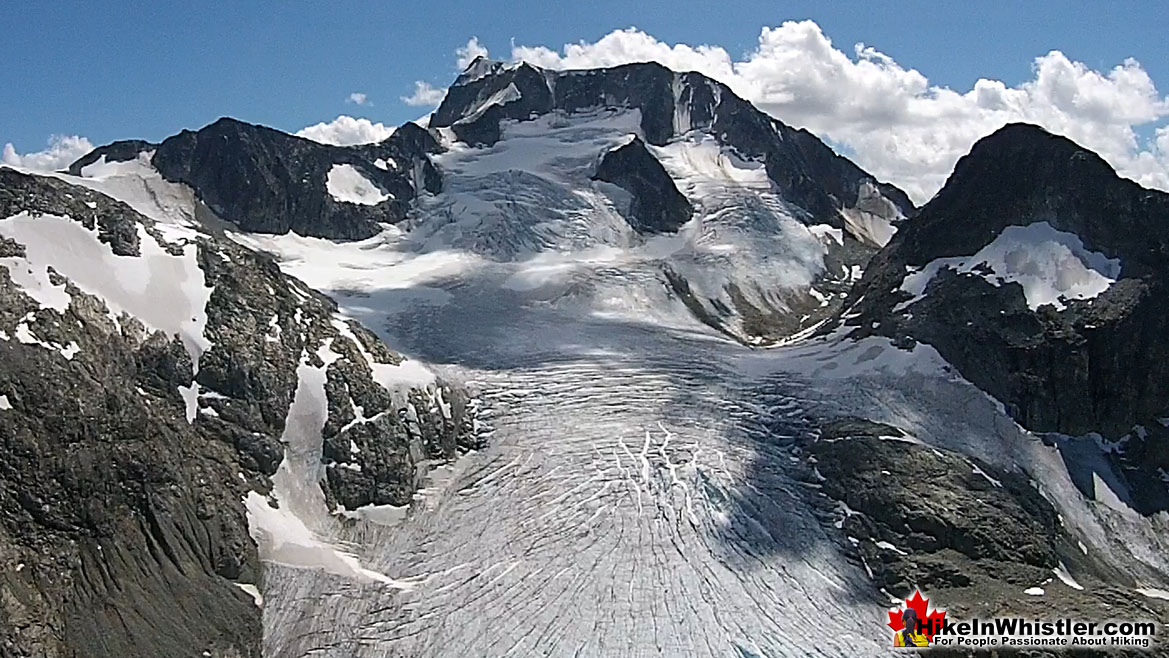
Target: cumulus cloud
(890, 119)
(62, 151)
(358, 98)
(347, 131)
(425, 95)
(467, 54)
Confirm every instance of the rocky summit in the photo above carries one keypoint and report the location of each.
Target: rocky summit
(672, 104)
(1041, 276)
(267, 181)
(595, 363)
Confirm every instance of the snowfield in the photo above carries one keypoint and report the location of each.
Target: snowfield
(348, 185)
(1051, 265)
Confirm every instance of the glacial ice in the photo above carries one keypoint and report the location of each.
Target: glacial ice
(637, 495)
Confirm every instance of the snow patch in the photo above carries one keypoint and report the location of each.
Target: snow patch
(283, 538)
(1065, 577)
(34, 281)
(379, 514)
(508, 94)
(480, 68)
(69, 351)
(348, 185)
(252, 591)
(165, 292)
(824, 232)
(868, 227)
(1154, 593)
(190, 395)
(399, 378)
(101, 168)
(702, 166)
(4, 403)
(979, 471)
(1052, 266)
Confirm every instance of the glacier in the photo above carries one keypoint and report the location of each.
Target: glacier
(640, 492)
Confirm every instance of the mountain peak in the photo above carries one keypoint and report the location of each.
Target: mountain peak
(1022, 174)
(1024, 159)
(1036, 252)
(671, 105)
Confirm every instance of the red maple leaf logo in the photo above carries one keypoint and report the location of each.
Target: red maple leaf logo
(931, 622)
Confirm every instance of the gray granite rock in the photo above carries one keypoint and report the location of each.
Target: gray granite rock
(118, 516)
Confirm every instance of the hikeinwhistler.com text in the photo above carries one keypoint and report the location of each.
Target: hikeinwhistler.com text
(1018, 632)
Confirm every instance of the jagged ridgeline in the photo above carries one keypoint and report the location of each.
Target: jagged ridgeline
(263, 180)
(830, 188)
(666, 150)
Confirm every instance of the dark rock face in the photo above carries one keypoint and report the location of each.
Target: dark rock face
(488, 92)
(120, 151)
(806, 171)
(658, 206)
(267, 181)
(936, 510)
(118, 516)
(378, 458)
(1098, 365)
(972, 536)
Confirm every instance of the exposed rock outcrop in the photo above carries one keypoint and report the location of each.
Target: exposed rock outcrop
(1083, 364)
(971, 535)
(658, 206)
(267, 181)
(126, 452)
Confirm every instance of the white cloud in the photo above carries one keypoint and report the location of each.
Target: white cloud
(63, 150)
(424, 95)
(469, 52)
(892, 120)
(346, 131)
(358, 98)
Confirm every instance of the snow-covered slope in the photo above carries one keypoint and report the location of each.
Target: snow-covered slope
(1050, 265)
(346, 184)
(1039, 273)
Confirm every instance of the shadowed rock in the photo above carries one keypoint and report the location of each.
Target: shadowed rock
(267, 181)
(658, 206)
(1098, 365)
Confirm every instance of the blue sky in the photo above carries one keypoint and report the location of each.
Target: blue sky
(147, 69)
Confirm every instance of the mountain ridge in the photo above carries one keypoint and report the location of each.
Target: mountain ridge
(672, 103)
(124, 506)
(1063, 316)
